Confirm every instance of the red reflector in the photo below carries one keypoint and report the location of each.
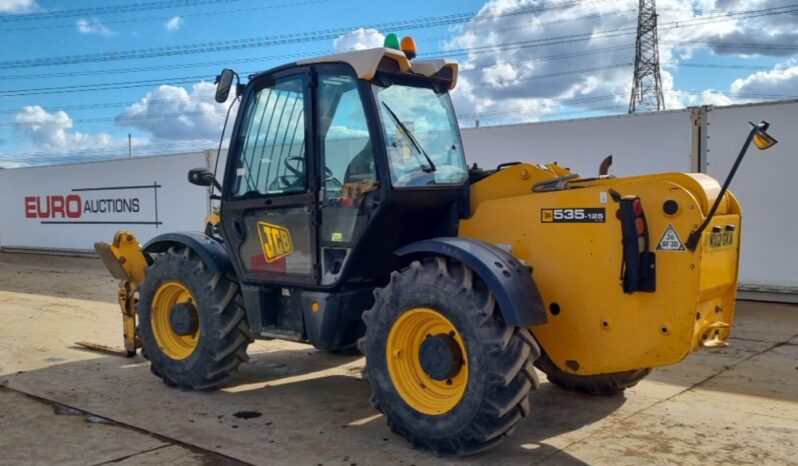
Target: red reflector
(640, 225)
(637, 207)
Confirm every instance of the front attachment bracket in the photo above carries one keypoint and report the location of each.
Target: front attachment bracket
(126, 262)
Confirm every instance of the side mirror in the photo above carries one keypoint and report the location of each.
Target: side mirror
(203, 177)
(223, 83)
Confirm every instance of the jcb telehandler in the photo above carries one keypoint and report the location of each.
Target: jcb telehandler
(349, 218)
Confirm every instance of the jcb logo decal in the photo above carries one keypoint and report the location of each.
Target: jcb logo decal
(275, 241)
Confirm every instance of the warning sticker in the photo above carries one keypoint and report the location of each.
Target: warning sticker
(670, 240)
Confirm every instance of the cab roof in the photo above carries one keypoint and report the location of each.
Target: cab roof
(367, 62)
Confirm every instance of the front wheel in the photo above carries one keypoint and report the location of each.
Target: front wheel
(602, 384)
(191, 321)
(445, 369)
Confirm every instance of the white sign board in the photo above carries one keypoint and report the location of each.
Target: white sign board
(766, 188)
(639, 144)
(70, 207)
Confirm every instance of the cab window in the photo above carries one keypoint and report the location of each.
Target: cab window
(272, 152)
(347, 155)
(422, 137)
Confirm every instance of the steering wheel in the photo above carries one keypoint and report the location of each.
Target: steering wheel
(331, 182)
(329, 177)
(295, 170)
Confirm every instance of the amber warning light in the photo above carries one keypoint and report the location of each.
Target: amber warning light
(407, 45)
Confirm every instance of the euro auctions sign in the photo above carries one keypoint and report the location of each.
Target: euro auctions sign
(133, 204)
(71, 207)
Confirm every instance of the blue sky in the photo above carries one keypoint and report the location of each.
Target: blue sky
(523, 66)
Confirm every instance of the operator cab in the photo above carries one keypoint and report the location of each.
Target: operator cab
(334, 164)
(323, 148)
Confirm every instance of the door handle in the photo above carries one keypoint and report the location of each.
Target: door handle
(238, 229)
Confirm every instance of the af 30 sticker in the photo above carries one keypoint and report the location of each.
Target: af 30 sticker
(670, 240)
(275, 241)
(574, 215)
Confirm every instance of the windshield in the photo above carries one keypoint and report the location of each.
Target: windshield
(421, 136)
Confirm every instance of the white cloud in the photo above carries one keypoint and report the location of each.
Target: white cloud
(359, 39)
(174, 24)
(345, 132)
(536, 76)
(173, 113)
(709, 97)
(53, 132)
(17, 6)
(503, 83)
(778, 81)
(93, 26)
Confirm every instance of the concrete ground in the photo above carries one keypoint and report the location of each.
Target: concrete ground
(60, 404)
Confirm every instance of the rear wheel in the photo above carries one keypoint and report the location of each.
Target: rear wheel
(602, 384)
(191, 321)
(445, 370)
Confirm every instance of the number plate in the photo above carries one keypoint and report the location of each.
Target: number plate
(574, 215)
(720, 239)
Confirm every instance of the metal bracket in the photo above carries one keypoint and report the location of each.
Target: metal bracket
(554, 184)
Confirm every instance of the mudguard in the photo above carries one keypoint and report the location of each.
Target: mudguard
(210, 250)
(510, 281)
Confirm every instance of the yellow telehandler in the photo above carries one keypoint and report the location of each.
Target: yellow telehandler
(349, 218)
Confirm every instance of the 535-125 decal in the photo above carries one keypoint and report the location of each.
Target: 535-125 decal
(574, 215)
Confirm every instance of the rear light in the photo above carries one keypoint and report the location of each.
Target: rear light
(637, 207)
(637, 272)
(640, 225)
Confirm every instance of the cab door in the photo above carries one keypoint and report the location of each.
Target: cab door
(269, 208)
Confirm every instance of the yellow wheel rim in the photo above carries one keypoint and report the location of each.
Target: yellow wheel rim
(403, 348)
(173, 345)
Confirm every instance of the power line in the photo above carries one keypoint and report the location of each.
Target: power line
(107, 10)
(410, 24)
(195, 78)
(557, 74)
(104, 86)
(609, 33)
(65, 74)
(266, 41)
(102, 105)
(182, 15)
(734, 45)
(557, 100)
(120, 119)
(558, 56)
(258, 59)
(468, 70)
(175, 145)
(17, 124)
(721, 66)
(621, 108)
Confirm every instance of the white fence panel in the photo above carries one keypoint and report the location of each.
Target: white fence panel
(70, 207)
(639, 144)
(766, 187)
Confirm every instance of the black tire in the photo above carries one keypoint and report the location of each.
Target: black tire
(501, 375)
(224, 332)
(603, 384)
